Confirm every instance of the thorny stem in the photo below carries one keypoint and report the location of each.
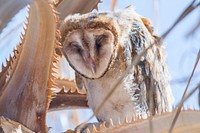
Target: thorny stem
(184, 95)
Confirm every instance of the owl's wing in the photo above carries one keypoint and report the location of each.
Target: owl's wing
(150, 75)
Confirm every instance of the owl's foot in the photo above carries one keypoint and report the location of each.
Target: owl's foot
(83, 128)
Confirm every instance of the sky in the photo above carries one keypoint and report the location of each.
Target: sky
(181, 50)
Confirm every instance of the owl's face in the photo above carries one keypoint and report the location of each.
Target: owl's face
(89, 51)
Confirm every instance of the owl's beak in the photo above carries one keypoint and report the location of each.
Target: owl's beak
(93, 68)
(91, 64)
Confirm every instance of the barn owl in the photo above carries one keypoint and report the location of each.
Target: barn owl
(100, 47)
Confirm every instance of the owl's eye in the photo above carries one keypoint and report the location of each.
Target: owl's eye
(75, 46)
(99, 40)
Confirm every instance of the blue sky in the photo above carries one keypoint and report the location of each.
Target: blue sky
(181, 51)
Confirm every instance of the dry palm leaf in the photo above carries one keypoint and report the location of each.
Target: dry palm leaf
(25, 96)
(8, 8)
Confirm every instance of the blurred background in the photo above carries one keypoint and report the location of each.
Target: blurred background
(182, 46)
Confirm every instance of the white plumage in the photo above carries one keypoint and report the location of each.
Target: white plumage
(100, 47)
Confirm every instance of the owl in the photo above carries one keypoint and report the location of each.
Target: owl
(100, 47)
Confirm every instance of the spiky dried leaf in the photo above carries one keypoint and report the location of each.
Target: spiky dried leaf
(68, 101)
(9, 126)
(8, 8)
(188, 122)
(26, 96)
(4, 73)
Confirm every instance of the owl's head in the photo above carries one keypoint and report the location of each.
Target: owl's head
(89, 51)
(90, 42)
